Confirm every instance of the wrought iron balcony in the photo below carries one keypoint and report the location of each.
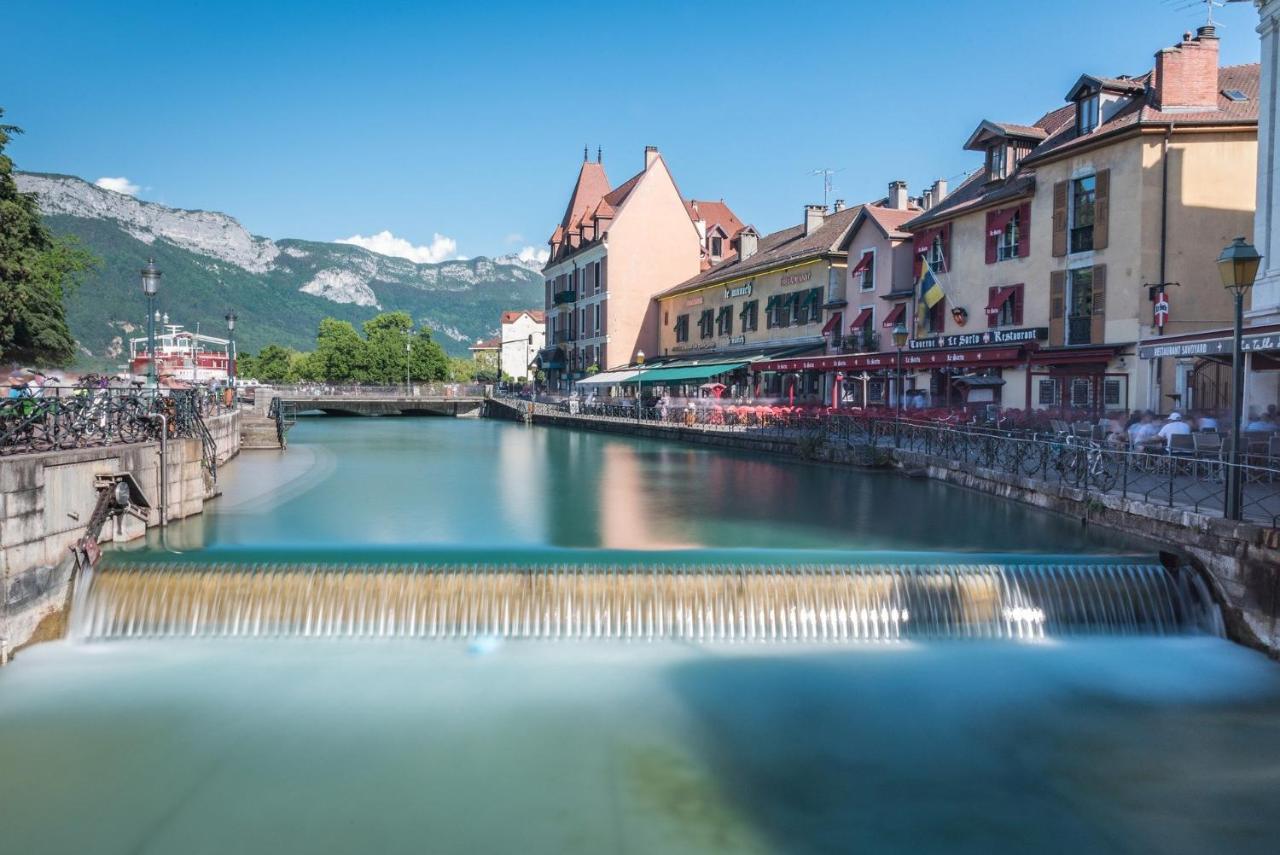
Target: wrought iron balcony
(1080, 329)
(863, 341)
(562, 297)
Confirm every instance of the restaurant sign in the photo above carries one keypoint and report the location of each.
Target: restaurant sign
(693, 348)
(979, 339)
(740, 291)
(797, 278)
(987, 357)
(1210, 347)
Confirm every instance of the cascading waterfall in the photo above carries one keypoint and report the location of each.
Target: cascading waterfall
(705, 603)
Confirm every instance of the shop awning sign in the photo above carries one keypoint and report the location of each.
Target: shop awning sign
(1210, 347)
(985, 338)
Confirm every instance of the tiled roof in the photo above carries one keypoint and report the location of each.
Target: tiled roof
(715, 214)
(538, 315)
(1028, 131)
(976, 192)
(777, 249)
(591, 186)
(890, 220)
(619, 194)
(488, 344)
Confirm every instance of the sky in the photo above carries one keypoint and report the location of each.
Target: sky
(435, 130)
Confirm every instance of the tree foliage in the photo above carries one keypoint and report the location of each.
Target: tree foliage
(343, 356)
(36, 272)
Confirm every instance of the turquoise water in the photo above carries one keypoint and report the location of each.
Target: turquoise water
(1110, 744)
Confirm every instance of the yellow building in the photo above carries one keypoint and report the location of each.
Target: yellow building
(1054, 256)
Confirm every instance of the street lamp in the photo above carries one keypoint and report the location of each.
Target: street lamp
(408, 346)
(231, 359)
(150, 285)
(899, 341)
(1238, 265)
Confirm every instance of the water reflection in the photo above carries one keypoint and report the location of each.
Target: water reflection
(491, 484)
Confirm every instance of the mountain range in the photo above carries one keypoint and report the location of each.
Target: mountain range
(279, 289)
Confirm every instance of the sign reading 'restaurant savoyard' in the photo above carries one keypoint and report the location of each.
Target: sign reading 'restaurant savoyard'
(979, 339)
(1210, 347)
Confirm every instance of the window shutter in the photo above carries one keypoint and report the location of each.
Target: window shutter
(1101, 209)
(946, 248)
(604, 317)
(1017, 304)
(993, 318)
(1097, 323)
(604, 273)
(1024, 233)
(1057, 306)
(992, 240)
(919, 244)
(1059, 219)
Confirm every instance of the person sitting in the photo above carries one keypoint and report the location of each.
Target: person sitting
(1207, 421)
(1175, 426)
(1142, 431)
(1259, 424)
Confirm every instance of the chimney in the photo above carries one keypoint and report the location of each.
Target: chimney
(748, 243)
(1186, 74)
(926, 200)
(939, 191)
(813, 217)
(839, 206)
(898, 197)
(650, 155)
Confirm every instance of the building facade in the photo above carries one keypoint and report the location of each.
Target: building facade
(522, 335)
(614, 249)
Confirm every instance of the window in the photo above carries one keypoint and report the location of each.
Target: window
(717, 246)
(1111, 396)
(935, 257)
(705, 321)
(682, 328)
(801, 299)
(1081, 392)
(724, 321)
(750, 316)
(814, 299)
(1007, 242)
(997, 161)
(1083, 198)
(597, 319)
(935, 319)
(868, 265)
(1087, 114)
(1079, 305)
(835, 279)
(1047, 393)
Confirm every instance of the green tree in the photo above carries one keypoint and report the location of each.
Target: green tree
(429, 362)
(339, 353)
(461, 370)
(385, 356)
(273, 364)
(36, 272)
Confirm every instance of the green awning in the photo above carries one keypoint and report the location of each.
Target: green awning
(683, 373)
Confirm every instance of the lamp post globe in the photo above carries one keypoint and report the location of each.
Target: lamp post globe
(1237, 265)
(231, 354)
(150, 285)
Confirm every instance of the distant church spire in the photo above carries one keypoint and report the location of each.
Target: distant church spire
(599, 154)
(584, 154)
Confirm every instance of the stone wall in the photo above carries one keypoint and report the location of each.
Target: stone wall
(46, 501)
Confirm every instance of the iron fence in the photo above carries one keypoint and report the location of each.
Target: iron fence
(360, 390)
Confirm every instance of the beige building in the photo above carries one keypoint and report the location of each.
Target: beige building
(1055, 256)
(612, 251)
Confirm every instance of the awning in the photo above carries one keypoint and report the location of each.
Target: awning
(1009, 357)
(610, 378)
(998, 221)
(998, 298)
(551, 358)
(861, 320)
(895, 316)
(681, 374)
(833, 324)
(863, 263)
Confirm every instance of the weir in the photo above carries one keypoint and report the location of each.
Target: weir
(829, 602)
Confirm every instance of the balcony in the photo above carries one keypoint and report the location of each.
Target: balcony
(1080, 329)
(561, 297)
(863, 341)
(561, 337)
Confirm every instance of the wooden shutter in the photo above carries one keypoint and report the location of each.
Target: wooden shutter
(1024, 236)
(1101, 209)
(1057, 306)
(992, 317)
(604, 274)
(1097, 323)
(947, 262)
(1017, 304)
(1059, 219)
(604, 318)
(992, 240)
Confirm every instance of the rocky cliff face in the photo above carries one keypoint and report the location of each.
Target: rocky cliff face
(280, 288)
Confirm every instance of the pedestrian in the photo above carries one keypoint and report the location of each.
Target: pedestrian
(1175, 426)
(1142, 431)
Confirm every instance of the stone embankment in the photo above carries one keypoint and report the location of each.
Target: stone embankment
(46, 501)
(1240, 561)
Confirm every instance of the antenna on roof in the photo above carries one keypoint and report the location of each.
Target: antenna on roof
(826, 173)
(584, 153)
(599, 154)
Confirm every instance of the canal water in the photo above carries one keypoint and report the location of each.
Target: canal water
(1111, 743)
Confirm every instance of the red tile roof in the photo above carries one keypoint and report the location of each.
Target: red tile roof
(488, 344)
(890, 220)
(538, 315)
(715, 214)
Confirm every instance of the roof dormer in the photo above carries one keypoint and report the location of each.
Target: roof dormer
(1004, 145)
(1097, 99)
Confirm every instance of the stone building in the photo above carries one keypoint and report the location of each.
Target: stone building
(522, 335)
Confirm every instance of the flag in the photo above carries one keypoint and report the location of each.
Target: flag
(928, 289)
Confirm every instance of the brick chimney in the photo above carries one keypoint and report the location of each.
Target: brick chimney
(650, 155)
(814, 215)
(748, 243)
(898, 198)
(1186, 74)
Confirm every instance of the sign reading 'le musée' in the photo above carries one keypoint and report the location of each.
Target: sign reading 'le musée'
(979, 339)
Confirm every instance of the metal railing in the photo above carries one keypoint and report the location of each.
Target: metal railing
(361, 390)
(66, 418)
(1184, 479)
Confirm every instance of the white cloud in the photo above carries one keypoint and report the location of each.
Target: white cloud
(384, 242)
(514, 237)
(533, 255)
(118, 185)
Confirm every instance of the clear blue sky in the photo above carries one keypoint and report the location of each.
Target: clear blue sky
(324, 119)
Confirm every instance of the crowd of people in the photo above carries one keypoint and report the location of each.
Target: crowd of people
(1147, 430)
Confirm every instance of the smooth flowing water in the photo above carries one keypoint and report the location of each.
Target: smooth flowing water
(336, 662)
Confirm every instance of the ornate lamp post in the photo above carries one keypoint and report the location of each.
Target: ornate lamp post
(150, 285)
(899, 341)
(1238, 265)
(231, 358)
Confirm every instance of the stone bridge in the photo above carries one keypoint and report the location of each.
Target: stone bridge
(461, 402)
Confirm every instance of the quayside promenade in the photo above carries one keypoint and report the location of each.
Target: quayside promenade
(1174, 500)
